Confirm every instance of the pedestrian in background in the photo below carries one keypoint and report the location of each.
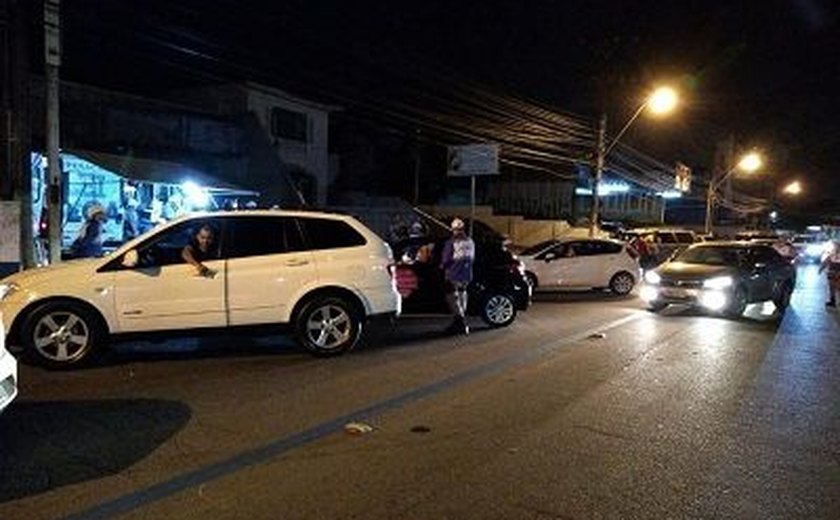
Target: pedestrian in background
(831, 264)
(89, 242)
(457, 260)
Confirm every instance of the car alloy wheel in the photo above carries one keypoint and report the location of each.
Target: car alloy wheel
(328, 326)
(622, 283)
(498, 310)
(61, 334)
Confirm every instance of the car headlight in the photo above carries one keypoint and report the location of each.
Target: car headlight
(814, 249)
(721, 282)
(7, 289)
(652, 277)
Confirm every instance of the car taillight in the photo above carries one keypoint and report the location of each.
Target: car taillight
(517, 267)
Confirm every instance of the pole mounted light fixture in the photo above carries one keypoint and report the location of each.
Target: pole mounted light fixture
(748, 163)
(661, 101)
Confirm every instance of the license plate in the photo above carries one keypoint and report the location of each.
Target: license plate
(680, 293)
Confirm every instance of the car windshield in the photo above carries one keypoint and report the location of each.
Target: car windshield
(711, 256)
(530, 251)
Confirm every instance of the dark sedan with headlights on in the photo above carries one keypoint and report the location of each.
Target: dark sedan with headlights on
(721, 277)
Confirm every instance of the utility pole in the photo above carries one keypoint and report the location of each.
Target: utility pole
(52, 59)
(599, 171)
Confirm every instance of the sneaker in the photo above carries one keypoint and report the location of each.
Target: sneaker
(831, 303)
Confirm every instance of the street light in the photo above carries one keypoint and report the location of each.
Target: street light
(794, 188)
(748, 163)
(660, 102)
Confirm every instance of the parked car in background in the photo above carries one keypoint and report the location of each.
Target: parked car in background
(499, 289)
(721, 277)
(322, 273)
(8, 370)
(582, 264)
(666, 241)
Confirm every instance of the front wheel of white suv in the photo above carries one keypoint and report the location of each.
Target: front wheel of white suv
(328, 326)
(61, 334)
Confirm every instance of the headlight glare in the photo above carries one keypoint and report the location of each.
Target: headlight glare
(652, 277)
(721, 282)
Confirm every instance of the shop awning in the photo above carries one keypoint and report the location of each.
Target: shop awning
(153, 170)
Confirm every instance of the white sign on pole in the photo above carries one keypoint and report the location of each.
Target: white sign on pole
(473, 159)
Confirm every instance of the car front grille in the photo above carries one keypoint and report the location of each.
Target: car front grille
(683, 284)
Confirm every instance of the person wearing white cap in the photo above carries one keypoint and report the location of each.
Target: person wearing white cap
(457, 264)
(89, 241)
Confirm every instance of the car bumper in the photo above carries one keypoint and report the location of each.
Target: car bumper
(709, 299)
(384, 300)
(8, 379)
(522, 296)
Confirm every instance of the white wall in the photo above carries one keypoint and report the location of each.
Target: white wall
(311, 156)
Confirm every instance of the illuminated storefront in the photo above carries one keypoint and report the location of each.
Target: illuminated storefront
(135, 194)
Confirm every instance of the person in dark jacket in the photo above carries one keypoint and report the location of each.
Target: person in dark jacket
(89, 242)
(200, 249)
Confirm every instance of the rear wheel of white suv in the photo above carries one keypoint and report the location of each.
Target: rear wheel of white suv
(328, 326)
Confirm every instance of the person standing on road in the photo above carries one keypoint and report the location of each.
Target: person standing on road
(457, 263)
(831, 264)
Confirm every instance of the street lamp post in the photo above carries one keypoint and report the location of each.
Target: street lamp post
(748, 163)
(660, 102)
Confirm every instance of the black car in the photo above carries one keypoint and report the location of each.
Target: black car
(498, 291)
(721, 277)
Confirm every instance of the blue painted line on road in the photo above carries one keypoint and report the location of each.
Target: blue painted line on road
(195, 478)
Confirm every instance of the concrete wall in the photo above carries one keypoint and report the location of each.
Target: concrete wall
(523, 232)
(311, 156)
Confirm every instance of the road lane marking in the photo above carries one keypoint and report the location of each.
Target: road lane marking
(198, 477)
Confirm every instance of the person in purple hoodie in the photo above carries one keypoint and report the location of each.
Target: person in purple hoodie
(457, 263)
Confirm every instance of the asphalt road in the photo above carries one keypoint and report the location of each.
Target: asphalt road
(587, 407)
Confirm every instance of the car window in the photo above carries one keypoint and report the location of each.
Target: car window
(764, 255)
(558, 251)
(324, 233)
(667, 238)
(535, 249)
(711, 256)
(582, 248)
(684, 238)
(606, 248)
(167, 246)
(257, 236)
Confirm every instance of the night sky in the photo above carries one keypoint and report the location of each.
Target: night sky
(766, 72)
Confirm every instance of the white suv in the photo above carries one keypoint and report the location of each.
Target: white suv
(323, 273)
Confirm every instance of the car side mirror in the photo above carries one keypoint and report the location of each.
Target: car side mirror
(549, 257)
(130, 259)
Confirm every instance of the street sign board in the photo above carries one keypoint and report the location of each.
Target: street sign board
(473, 159)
